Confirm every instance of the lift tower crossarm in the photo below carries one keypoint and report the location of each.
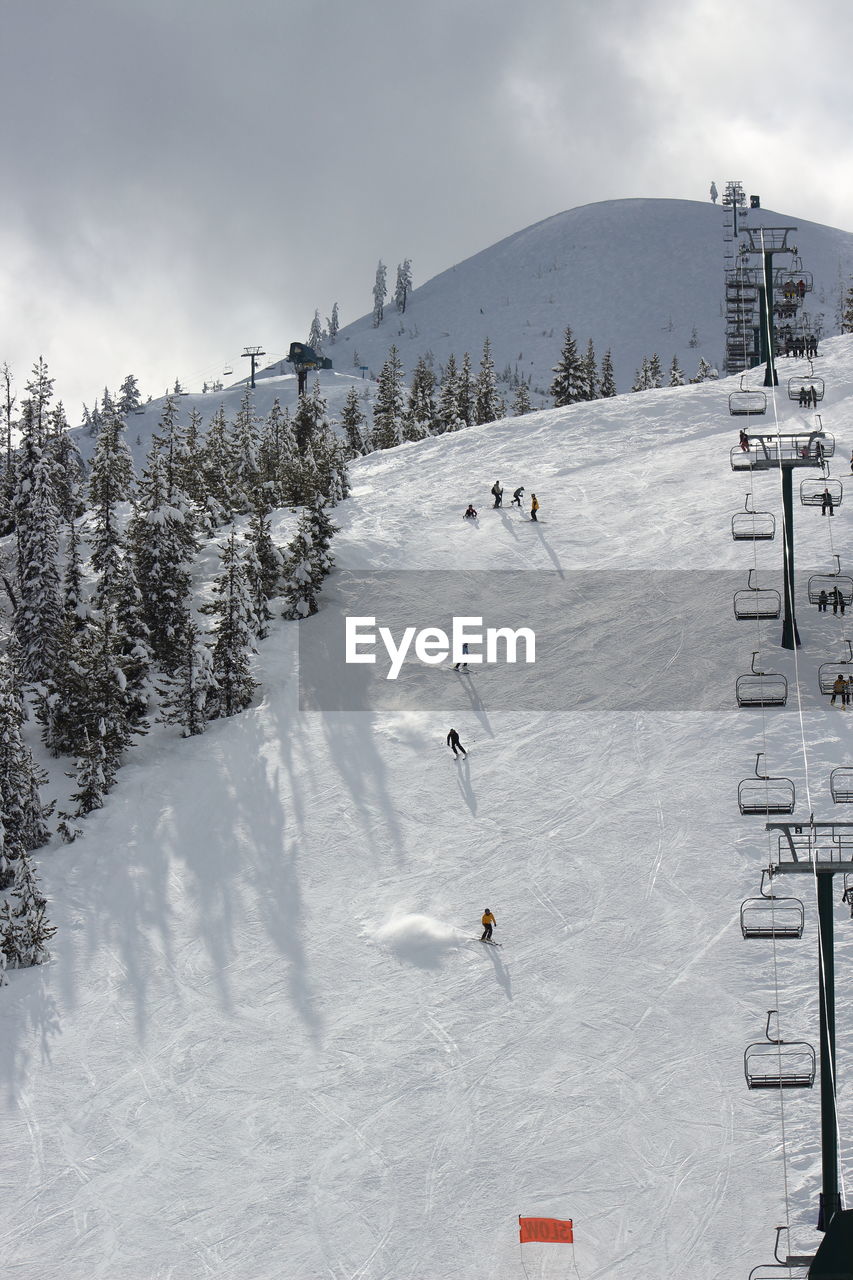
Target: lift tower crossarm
(254, 354)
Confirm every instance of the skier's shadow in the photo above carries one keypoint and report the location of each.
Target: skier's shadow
(501, 971)
(463, 780)
(477, 704)
(552, 555)
(508, 522)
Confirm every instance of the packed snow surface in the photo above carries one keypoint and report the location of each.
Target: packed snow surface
(269, 1045)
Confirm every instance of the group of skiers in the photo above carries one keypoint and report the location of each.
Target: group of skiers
(801, 346)
(807, 398)
(498, 495)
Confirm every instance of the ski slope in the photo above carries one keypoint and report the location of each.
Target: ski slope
(269, 1046)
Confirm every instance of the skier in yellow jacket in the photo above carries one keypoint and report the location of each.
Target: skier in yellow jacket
(534, 506)
(489, 923)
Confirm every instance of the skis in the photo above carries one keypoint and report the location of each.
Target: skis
(488, 942)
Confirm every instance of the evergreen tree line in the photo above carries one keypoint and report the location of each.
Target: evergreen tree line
(90, 661)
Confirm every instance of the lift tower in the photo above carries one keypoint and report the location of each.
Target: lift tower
(772, 450)
(822, 850)
(767, 242)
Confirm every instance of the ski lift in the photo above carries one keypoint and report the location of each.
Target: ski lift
(761, 688)
(774, 1063)
(771, 1270)
(763, 794)
(753, 526)
(812, 491)
(757, 602)
(841, 784)
(227, 371)
(828, 672)
(770, 917)
(744, 402)
(812, 386)
(830, 583)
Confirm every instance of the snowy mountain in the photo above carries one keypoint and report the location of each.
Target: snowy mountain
(270, 1047)
(638, 276)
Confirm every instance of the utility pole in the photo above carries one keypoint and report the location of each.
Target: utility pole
(254, 354)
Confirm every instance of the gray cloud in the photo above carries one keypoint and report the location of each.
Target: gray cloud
(185, 178)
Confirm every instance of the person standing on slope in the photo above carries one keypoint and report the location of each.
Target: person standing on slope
(489, 923)
(498, 493)
(516, 497)
(463, 664)
(534, 506)
(453, 741)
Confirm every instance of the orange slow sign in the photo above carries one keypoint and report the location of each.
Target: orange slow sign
(545, 1230)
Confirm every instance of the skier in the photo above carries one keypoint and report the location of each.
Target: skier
(822, 602)
(489, 923)
(470, 514)
(516, 497)
(826, 503)
(534, 506)
(839, 688)
(498, 493)
(744, 441)
(453, 741)
(463, 664)
(837, 601)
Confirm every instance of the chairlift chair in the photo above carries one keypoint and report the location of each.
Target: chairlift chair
(753, 526)
(828, 672)
(227, 371)
(757, 602)
(787, 1262)
(841, 784)
(763, 794)
(746, 402)
(761, 688)
(798, 385)
(774, 1063)
(830, 583)
(812, 491)
(770, 917)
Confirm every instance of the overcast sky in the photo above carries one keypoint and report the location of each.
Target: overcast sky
(182, 178)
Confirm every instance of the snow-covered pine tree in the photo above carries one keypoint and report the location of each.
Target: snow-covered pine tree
(161, 547)
(67, 464)
(110, 487)
(676, 374)
(333, 324)
(22, 814)
(38, 613)
(403, 285)
(846, 311)
(191, 477)
(465, 392)
(264, 564)
(447, 412)
(642, 378)
(521, 403)
(217, 463)
(569, 384)
(185, 695)
(244, 452)
(388, 406)
(421, 418)
(485, 391)
(589, 372)
(39, 393)
(24, 926)
(73, 600)
(655, 371)
(316, 335)
(380, 293)
(703, 372)
(607, 381)
(233, 684)
(89, 775)
(353, 422)
(128, 399)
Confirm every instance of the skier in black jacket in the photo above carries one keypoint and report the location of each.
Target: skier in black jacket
(453, 741)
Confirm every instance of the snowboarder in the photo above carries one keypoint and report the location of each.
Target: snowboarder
(534, 506)
(470, 514)
(744, 441)
(826, 503)
(498, 493)
(453, 741)
(489, 923)
(463, 664)
(516, 497)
